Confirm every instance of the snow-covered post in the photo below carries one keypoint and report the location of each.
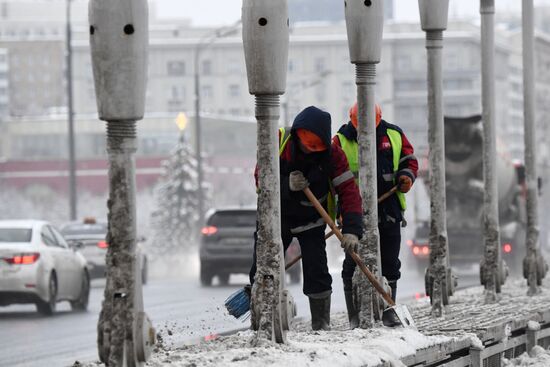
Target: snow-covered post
(119, 42)
(266, 38)
(439, 283)
(534, 266)
(365, 21)
(492, 267)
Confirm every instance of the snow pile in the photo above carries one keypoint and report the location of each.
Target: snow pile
(537, 357)
(338, 347)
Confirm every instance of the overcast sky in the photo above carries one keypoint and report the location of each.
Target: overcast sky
(223, 12)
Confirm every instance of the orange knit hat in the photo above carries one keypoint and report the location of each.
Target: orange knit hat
(310, 140)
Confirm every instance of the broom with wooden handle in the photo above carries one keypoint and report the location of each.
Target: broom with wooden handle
(238, 303)
(400, 311)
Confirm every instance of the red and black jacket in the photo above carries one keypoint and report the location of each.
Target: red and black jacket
(322, 170)
(390, 209)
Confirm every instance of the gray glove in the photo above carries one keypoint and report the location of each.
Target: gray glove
(350, 242)
(297, 181)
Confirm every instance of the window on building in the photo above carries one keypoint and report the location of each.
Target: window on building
(320, 64)
(176, 68)
(291, 66)
(177, 92)
(207, 91)
(234, 91)
(206, 67)
(234, 66)
(403, 62)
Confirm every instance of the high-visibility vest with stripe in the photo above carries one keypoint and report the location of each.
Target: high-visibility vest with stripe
(331, 201)
(351, 150)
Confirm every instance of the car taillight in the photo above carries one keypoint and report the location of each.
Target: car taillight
(22, 259)
(423, 250)
(507, 248)
(209, 231)
(102, 244)
(410, 243)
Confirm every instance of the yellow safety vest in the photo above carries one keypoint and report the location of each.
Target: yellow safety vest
(351, 150)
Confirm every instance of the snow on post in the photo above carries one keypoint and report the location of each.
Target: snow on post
(534, 266)
(439, 280)
(493, 271)
(119, 41)
(266, 38)
(364, 22)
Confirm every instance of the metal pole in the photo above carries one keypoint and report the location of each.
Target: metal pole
(439, 279)
(265, 41)
(534, 265)
(70, 118)
(365, 23)
(370, 242)
(125, 334)
(492, 261)
(198, 135)
(438, 267)
(269, 281)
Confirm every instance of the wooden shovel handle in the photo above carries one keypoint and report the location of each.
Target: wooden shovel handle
(354, 256)
(299, 257)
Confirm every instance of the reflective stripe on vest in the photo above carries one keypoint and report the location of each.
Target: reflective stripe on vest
(351, 150)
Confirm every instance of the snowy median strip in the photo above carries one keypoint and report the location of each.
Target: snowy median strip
(338, 347)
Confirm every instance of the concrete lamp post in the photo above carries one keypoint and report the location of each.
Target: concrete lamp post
(493, 271)
(439, 280)
(534, 265)
(266, 38)
(119, 47)
(364, 22)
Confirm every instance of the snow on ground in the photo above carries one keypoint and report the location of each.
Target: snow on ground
(538, 357)
(338, 347)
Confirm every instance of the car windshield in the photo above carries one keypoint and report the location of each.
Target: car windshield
(84, 229)
(15, 235)
(233, 218)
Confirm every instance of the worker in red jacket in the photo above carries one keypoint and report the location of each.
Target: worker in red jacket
(307, 159)
(396, 165)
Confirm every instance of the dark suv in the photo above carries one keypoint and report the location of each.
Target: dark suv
(227, 244)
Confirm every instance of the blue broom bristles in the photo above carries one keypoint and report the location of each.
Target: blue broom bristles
(238, 304)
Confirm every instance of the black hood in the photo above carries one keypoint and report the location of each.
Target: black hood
(315, 120)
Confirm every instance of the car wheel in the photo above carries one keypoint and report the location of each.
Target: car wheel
(47, 308)
(144, 272)
(81, 304)
(224, 278)
(206, 277)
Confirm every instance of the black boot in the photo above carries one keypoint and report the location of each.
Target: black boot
(353, 314)
(389, 318)
(320, 313)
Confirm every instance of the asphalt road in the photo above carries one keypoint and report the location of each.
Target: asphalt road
(182, 311)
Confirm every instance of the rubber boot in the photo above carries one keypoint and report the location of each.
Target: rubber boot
(320, 313)
(353, 314)
(390, 319)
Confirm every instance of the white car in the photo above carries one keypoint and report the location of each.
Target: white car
(37, 266)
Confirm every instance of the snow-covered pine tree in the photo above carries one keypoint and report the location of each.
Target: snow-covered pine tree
(175, 219)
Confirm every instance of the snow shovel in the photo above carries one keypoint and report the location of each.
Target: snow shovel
(401, 312)
(382, 197)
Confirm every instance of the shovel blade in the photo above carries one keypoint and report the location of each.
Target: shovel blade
(401, 313)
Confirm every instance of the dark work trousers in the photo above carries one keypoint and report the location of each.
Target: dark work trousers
(390, 243)
(314, 258)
